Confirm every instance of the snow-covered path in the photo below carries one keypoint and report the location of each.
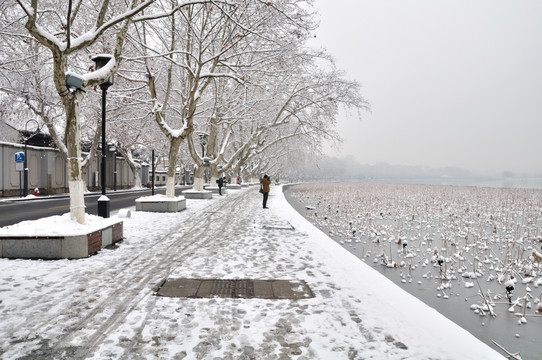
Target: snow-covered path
(103, 307)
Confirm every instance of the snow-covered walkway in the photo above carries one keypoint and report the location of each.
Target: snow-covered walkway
(104, 307)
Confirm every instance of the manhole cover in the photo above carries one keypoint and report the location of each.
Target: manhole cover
(243, 288)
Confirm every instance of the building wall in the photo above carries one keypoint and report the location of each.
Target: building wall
(8, 133)
(47, 171)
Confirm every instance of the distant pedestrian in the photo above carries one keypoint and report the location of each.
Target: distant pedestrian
(220, 182)
(266, 181)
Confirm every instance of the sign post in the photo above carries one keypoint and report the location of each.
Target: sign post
(19, 166)
(19, 161)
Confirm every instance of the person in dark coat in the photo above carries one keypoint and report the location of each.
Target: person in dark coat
(220, 184)
(266, 181)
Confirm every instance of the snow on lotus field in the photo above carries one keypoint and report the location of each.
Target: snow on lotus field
(460, 249)
(105, 307)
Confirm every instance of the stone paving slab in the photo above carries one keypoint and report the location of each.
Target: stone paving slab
(277, 225)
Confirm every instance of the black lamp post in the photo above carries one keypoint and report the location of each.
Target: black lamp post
(153, 168)
(103, 201)
(203, 141)
(25, 161)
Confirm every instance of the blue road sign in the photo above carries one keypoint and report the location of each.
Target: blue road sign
(19, 157)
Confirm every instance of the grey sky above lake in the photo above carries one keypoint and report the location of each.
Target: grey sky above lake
(450, 82)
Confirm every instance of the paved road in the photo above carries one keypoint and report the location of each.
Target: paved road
(17, 210)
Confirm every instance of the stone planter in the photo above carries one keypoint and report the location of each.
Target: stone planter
(160, 203)
(194, 194)
(74, 246)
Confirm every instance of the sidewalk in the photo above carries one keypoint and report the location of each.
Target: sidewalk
(105, 307)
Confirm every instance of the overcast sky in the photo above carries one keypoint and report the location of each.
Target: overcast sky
(450, 82)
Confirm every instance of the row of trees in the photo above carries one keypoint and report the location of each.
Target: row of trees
(235, 72)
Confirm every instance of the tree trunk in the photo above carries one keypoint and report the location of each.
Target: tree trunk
(84, 173)
(137, 178)
(214, 175)
(173, 155)
(135, 167)
(198, 178)
(73, 144)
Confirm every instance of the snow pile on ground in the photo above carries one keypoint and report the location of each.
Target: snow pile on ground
(57, 226)
(104, 306)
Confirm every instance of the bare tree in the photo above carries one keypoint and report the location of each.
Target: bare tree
(264, 33)
(200, 47)
(299, 100)
(235, 70)
(60, 37)
(68, 32)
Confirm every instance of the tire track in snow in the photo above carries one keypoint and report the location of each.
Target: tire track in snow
(175, 252)
(130, 291)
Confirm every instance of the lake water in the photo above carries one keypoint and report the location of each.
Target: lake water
(453, 247)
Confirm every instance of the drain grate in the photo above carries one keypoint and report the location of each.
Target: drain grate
(231, 288)
(242, 288)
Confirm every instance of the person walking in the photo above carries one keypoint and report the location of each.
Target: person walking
(266, 181)
(220, 182)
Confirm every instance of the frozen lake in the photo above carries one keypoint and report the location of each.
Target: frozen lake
(454, 247)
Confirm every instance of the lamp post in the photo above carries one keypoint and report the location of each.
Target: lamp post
(153, 169)
(203, 141)
(103, 201)
(26, 138)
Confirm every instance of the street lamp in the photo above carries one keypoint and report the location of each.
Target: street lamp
(26, 138)
(203, 142)
(203, 137)
(153, 170)
(103, 201)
